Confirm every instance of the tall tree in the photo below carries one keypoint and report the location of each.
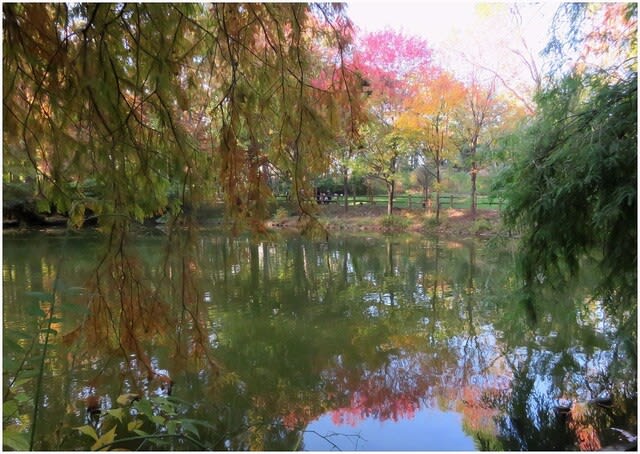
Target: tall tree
(381, 155)
(339, 71)
(388, 61)
(428, 121)
(474, 119)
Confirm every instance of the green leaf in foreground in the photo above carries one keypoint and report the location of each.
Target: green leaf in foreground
(16, 441)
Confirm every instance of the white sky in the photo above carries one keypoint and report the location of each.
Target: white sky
(451, 28)
(438, 20)
(434, 21)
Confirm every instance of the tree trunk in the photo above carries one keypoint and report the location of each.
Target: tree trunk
(437, 186)
(474, 175)
(345, 188)
(427, 204)
(391, 186)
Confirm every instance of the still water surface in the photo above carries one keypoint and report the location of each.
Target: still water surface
(358, 343)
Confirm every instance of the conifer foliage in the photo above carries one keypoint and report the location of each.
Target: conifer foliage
(132, 110)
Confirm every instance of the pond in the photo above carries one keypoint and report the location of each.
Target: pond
(202, 341)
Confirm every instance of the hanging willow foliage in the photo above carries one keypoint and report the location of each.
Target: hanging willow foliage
(574, 193)
(132, 110)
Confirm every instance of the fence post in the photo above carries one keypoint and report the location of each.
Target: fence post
(451, 201)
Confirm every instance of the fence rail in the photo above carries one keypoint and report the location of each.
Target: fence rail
(458, 201)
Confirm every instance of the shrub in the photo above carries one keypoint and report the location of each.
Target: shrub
(394, 222)
(481, 225)
(281, 214)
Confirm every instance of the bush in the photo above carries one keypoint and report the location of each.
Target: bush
(430, 222)
(394, 223)
(281, 214)
(481, 225)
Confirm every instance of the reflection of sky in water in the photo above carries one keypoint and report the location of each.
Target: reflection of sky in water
(428, 430)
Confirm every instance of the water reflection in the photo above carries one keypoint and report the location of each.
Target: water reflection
(278, 343)
(439, 431)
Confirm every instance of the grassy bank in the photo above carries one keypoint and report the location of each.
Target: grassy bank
(454, 222)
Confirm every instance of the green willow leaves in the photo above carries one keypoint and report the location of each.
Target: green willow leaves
(573, 193)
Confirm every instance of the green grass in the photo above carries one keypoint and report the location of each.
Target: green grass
(414, 202)
(459, 201)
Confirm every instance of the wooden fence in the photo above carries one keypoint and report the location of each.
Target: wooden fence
(415, 202)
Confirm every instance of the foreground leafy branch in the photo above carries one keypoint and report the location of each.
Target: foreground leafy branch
(573, 192)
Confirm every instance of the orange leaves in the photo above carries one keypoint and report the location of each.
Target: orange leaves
(289, 99)
(374, 398)
(611, 28)
(435, 97)
(429, 112)
(602, 40)
(586, 434)
(478, 408)
(390, 393)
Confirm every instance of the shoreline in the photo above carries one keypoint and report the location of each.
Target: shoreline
(453, 222)
(456, 223)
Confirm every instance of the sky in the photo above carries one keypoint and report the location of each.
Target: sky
(452, 28)
(434, 21)
(438, 20)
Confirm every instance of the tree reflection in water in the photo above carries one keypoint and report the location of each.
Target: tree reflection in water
(356, 328)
